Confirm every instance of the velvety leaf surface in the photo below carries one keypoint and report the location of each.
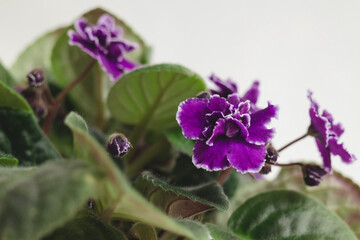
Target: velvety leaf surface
(151, 95)
(177, 140)
(36, 55)
(209, 194)
(19, 130)
(126, 202)
(220, 234)
(287, 215)
(35, 201)
(87, 226)
(7, 160)
(5, 76)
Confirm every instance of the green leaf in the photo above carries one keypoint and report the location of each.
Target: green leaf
(219, 234)
(172, 198)
(142, 231)
(36, 55)
(7, 160)
(177, 139)
(11, 99)
(68, 62)
(20, 132)
(35, 201)
(125, 201)
(287, 215)
(87, 226)
(199, 230)
(5, 76)
(150, 95)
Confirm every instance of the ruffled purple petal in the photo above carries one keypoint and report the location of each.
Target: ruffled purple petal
(86, 46)
(338, 149)
(211, 158)
(337, 129)
(110, 67)
(234, 127)
(234, 99)
(191, 117)
(259, 135)
(225, 88)
(264, 116)
(126, 64)
(253, 93)
(320, 124)
(245, 157)
(218, 130)
(325, 154)
(219, 104)
(80, 26)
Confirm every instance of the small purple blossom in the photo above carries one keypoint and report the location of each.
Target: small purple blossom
(327, 135)
(103, 42)
(228, 132)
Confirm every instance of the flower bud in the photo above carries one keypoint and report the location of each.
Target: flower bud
(118, 145)
(312, 174)
(36, 77)
(204, 95)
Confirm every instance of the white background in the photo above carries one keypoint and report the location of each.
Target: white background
(290, 46)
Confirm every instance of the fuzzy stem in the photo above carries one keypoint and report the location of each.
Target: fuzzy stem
(294, 141)
(55, 106)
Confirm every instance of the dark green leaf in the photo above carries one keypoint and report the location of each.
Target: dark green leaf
(35, 201)
(7, 160)
(20, 132)
(287, 215)
(177, 139)
(219, 234)
(142, 231)
(208, 194)
(11, 99)
(36, 55)
(126, 202)
(150, 96)
(86, 226)
(5, 76)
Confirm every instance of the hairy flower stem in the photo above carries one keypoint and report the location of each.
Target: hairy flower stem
(224, 175)
(56, 104)
(294, 141)
(286, 164)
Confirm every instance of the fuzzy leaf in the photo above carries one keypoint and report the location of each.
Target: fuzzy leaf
(182, 201)
(287, 215)
(20, 132)
(35, 201)
(150, 95)
(36, 55)
(87, 226)
(126, 202)
(219, 234)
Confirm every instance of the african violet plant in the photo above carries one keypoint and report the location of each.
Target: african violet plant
(100, 144)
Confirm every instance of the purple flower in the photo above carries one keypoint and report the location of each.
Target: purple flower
(103, 42)
(227, 131)
(228, 87)
(118, 145)
(327, 135)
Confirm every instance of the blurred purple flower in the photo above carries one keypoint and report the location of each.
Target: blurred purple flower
(103, 42)
(227, 131)
(327, 135)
